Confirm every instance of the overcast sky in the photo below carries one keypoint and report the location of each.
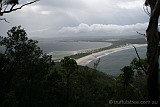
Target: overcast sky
(50, 18)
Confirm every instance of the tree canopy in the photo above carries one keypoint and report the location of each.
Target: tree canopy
(8, 6)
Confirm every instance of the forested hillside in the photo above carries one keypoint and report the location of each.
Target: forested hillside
(30, 78)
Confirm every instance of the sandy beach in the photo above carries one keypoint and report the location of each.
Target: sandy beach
(85, 60)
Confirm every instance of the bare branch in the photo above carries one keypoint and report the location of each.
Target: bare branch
(140, 60)
(96, 64)
(6, 7)
(142, 35)
(14, 9)
(4, 20)
(146, 10)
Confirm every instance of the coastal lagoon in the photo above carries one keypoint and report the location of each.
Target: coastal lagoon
(110, 63)
(67, 48)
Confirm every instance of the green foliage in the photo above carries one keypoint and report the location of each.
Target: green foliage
(80, 55)
(127, 76)
(137, 66)
(131, 84)
(69, 64)
(92, 88)
(22, 66)
(30, 79)
(10, 100)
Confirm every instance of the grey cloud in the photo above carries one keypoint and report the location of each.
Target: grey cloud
(62, 3)
(85, 28)
(53, 15)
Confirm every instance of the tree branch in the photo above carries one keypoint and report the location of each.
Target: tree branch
(14, 9)
(6, 7)
(142, 35)
(140, 60)
(146, 10)
(4, 20)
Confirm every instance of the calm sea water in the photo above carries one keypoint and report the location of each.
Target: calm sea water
(112, 63)
(50, 46)
(62, 49)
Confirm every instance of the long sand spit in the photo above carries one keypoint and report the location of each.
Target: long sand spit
(94, 56)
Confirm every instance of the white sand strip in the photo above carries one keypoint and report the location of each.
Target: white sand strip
(85, 60)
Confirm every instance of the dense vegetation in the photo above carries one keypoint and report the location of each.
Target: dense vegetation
(29, 78)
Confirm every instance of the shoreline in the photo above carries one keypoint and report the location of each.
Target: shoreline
(62, 54)
(87, 59)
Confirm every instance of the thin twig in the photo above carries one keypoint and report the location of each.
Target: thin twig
(142, 35)
(6, 7)
(146, 10)
(4, 20)
(14, 9)
(140, 60)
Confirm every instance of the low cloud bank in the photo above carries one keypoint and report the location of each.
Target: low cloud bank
(98, 28)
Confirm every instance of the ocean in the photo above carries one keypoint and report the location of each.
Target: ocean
(50, 46)
(113, 62)
(109, 64)
(59, 49)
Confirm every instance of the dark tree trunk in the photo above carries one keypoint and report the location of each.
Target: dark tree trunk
(153, 51)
